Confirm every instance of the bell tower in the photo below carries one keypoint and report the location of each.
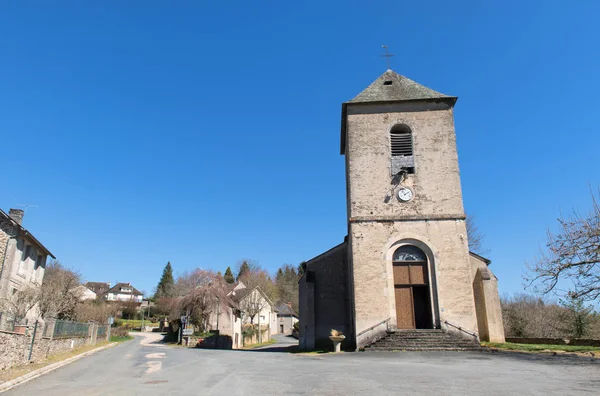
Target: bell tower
(408, 254)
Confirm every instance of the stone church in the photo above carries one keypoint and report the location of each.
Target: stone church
(405, 263)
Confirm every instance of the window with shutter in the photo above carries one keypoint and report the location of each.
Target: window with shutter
(401, 144)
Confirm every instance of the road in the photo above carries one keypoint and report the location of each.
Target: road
(142, 367)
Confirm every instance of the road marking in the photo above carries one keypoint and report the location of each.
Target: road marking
(158, 355)
(153, 366)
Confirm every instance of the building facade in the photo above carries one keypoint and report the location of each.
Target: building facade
(22, 259)
(405, 263)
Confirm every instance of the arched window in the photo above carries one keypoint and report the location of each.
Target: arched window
(402, 149)
(409, 253)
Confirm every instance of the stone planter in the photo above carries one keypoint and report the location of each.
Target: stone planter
(337, 342)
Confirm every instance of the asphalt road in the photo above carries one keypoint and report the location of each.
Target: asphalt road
(136, 368)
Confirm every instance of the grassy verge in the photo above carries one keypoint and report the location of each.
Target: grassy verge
(540, 347)
(253, 346)
(295, 349)
(120, 338)
(15, 372)
(134, 323)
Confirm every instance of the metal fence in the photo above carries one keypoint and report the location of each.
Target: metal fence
(68, 329)
(101, 332)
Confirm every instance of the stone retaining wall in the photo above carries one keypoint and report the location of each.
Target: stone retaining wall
(15, 347)
(555, 341)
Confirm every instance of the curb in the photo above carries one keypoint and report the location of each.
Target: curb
(51, 367)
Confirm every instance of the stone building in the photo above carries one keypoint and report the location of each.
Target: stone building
(405, 263)
(22, 261)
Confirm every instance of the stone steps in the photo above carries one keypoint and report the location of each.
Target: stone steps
(423, 340)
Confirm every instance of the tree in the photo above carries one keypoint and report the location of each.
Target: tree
(301, 269)
(97, 311)
(201, 293)
(571, 258)
(475, 237)
(253, 275)
(244, 267)
(229, 276)
(166, 285)
(286, 282)
(577, 317)
(59, 293)
(20, 303)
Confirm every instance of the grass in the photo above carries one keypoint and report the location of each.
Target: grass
(540, 347)
(133, 323)
(253, 346)
(15, 372)
(295, 349)
(120, 338)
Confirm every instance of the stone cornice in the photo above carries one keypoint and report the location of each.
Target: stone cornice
(440, 217)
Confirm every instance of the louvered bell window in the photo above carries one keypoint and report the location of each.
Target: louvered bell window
(402, 149)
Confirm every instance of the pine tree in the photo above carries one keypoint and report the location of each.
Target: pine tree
(166, 286)
(229, 276)
(243, 269)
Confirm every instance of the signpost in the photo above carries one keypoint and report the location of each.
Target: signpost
(188, 332)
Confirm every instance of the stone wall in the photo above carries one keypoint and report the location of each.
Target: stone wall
(433, 220)
(436, 181)
(487, 302)
(555, 341)
(15, 347)
(325, 299)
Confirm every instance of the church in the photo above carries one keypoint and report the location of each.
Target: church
(405, 264)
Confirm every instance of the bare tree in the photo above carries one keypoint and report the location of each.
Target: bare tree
(255, 276)
(97, 311)
(59, 294)
(571, 258)
(201, 293)
(20, 303)
(475, 237)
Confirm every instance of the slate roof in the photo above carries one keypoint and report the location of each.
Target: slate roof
(116, 289)
(98, 287)
(284, 309)
(393, 87)
(239, 294)
(26, 234)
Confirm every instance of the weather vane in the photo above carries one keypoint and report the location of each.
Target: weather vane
(387, 56)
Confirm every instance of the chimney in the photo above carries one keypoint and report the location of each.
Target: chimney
(108, 285)
(16, 215)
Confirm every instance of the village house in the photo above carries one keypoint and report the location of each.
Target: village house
(122, 292)
(405, 263)
(286, 318)
(84, 294)
(247, 307)
(22, 259)
(99, 288)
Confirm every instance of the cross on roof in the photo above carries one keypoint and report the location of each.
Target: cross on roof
(387, 56)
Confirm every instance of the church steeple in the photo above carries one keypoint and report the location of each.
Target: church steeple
(392, 87)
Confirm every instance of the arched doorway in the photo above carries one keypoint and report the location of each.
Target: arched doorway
(411, 286)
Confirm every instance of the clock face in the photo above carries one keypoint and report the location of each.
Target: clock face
(405, 194)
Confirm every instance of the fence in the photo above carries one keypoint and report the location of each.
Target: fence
(68, 329)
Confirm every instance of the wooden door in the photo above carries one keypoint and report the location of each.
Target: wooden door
(411, 286)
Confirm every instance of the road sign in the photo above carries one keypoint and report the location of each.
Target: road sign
(188, 332)
(111, 320)
(183, 319)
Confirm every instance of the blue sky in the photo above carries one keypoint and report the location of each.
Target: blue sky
(203, 133)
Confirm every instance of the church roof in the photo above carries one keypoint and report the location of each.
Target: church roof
(393, 87)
